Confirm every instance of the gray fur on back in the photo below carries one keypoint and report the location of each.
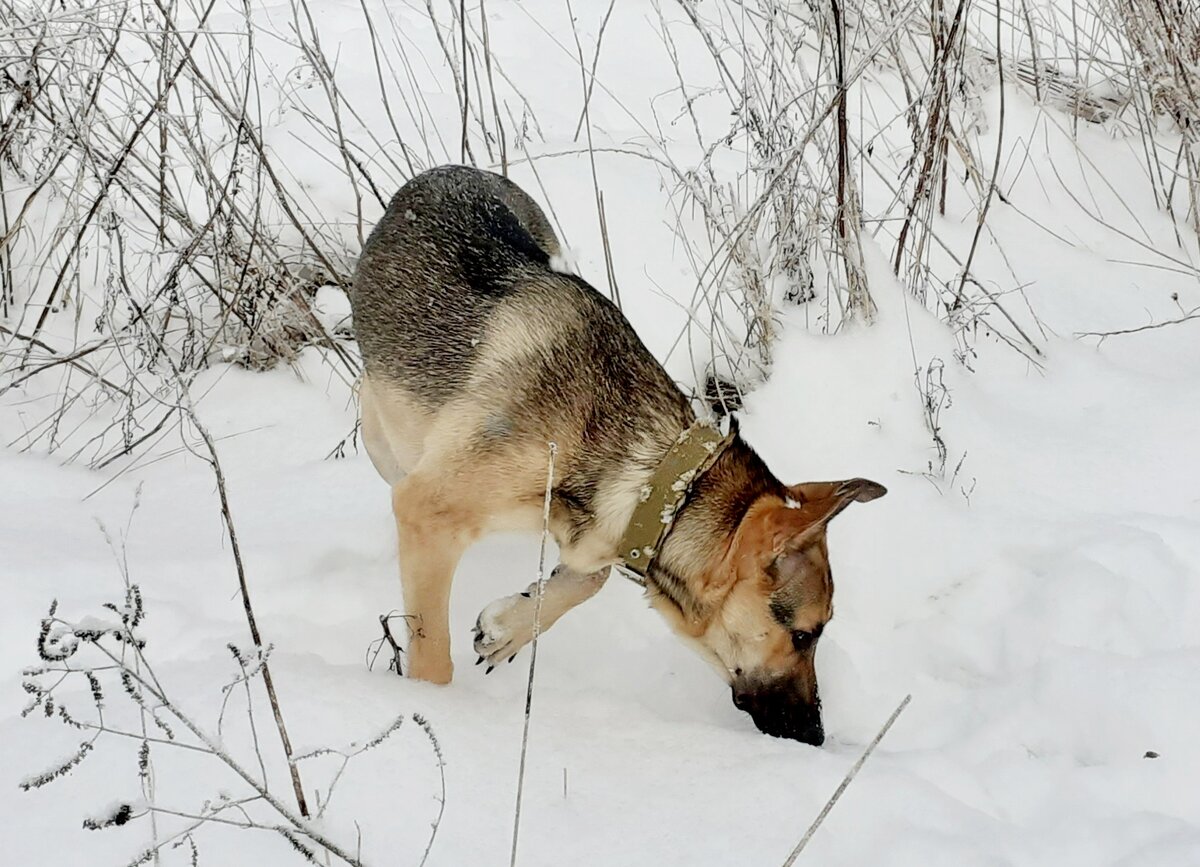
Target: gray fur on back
(462, 257)
(453, 243)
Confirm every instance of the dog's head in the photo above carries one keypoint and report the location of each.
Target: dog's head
(760, 609)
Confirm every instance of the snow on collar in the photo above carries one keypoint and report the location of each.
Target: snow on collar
(660, 500)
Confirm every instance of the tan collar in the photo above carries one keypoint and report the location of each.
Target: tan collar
(692, 454)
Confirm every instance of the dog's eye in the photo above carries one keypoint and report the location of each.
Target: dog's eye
(802, 640)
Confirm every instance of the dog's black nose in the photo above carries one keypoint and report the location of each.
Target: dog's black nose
(814, 735)
(781, 716)
(800, 727)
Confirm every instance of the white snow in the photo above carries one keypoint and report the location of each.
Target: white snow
(1041, 604)
(565, 261)
(332, 309)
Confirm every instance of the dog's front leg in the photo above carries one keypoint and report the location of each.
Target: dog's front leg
(433, 534)
(506, 625)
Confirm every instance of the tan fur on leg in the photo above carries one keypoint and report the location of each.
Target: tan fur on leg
(433, 533)
(374, 436)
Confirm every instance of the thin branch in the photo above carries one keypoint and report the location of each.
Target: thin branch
(231, 532)
(1189, 317)
(846, 781)
(987, 202)
(537, 628)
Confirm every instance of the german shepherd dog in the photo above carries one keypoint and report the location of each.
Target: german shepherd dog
(480, 351)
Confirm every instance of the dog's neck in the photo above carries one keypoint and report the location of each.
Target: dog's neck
(659, 501)
(600, 491)
(599, 485)
(688, 571)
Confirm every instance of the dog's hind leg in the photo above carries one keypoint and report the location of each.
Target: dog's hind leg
(434, 527)
(506, 625)
(374, 435)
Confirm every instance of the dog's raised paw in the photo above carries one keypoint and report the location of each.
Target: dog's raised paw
(503, 628)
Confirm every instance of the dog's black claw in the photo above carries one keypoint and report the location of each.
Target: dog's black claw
(489, 669)
(511, 658)
(478, 661)
(525, 593)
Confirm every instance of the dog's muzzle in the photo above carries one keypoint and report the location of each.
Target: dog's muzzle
(781, 711)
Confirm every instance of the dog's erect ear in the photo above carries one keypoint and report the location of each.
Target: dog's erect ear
(820, 502)
(771, 527)
(850, 490)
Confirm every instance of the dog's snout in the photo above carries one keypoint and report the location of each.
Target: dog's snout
(780, 712)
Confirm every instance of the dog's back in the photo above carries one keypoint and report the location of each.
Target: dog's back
(462, 318)
(454, 242)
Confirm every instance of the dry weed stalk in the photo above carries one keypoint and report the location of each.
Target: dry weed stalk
(1164, 42)
(537, 628)
(156, 187)
(846, 781)
(108, 655)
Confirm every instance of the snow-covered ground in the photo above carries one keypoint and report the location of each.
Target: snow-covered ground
(1042, 604)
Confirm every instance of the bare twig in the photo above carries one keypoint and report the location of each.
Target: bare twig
(537, 627)
(846, 781)
(441, 764)
(987, 202)
(243, 586)
(1187, 317)
(487, 59)
(391, 641)
(591, 77)
(466, 91)
(614, 291)
(214, 462)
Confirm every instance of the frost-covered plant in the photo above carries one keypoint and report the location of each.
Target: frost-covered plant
(140, 200)
(1164, 44)
(107, 655)
(781, 190)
